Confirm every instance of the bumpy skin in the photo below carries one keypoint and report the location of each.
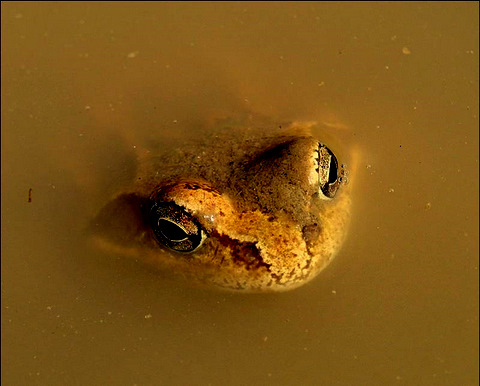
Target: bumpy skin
(268, 227)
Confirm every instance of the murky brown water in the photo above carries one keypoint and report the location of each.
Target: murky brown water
(399, 305)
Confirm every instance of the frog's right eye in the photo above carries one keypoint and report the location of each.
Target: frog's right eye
(174, 227)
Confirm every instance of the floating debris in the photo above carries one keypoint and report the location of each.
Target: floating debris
(133, 54)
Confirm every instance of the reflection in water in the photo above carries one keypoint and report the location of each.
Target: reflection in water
(86, 85)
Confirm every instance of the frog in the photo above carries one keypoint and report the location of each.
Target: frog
(245, 209)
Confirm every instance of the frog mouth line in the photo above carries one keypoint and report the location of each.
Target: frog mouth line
(329, 171)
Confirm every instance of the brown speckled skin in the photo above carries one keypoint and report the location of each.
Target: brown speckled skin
(257, 198)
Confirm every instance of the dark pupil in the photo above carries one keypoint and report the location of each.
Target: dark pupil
(171, 230)
(332, 173)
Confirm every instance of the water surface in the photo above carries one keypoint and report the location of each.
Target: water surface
(82, 82)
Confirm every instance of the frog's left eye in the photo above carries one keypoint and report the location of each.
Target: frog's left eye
(175, 228)
(330, 173)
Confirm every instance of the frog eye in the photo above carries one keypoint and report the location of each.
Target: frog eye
(175, 228)
(330, 173)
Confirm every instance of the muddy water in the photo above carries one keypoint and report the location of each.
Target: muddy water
(81, 83)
